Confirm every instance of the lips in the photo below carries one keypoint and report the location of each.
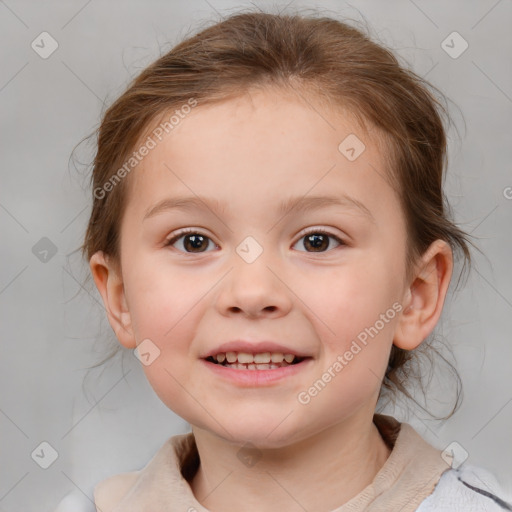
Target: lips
(256, 374)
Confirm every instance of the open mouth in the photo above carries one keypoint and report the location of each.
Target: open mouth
(260, 361)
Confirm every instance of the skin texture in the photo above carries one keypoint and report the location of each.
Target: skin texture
(252, 153)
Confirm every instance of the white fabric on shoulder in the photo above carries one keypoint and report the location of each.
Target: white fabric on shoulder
(467, 489)
(76, 502)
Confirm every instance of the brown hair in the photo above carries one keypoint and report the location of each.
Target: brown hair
(309, 54)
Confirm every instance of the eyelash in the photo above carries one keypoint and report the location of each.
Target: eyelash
(187, 231)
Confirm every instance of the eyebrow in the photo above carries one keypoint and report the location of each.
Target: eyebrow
(299, 204)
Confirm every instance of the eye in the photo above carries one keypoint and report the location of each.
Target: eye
(193, 241)
(318, 240)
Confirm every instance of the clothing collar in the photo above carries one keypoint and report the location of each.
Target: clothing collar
(408, 476)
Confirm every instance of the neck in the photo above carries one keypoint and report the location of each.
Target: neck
(343, 460)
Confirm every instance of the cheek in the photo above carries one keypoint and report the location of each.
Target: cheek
(165, 309)
(344, 303)
(161, 299)
(169, 320)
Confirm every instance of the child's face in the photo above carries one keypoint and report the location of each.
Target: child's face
(251, 155)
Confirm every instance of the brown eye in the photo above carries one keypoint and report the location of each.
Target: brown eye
(192, 242)
(319, 241)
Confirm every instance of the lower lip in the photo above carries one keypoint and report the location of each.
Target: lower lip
(255, 378)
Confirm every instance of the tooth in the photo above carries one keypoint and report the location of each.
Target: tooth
(260, 361)
(277, 357)
(262, 358)
(244, 357)
(289, 358)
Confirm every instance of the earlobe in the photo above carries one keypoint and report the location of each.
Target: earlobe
(111, 288)
(424, 298)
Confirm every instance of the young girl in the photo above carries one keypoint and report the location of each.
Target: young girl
(269, 236)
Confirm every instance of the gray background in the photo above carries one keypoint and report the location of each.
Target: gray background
(52, 328)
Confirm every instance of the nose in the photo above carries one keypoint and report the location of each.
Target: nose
(254, 290)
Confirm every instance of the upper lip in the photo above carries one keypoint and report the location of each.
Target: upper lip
(254, 347)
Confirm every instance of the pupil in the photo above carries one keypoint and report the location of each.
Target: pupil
(196, 241)
(314, 241)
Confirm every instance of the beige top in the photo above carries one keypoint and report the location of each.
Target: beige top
(407, 477)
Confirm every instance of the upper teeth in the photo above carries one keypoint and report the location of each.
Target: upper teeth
(260, 358)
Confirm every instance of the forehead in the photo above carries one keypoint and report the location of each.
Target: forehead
(260, 147)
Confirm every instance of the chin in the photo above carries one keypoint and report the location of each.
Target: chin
(264, 433)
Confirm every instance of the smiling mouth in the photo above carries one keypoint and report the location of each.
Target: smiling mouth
(260, 361)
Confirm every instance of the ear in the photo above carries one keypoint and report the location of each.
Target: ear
(110, 285)
(424, 298)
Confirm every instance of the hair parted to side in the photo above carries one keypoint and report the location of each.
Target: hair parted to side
(317, 55)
